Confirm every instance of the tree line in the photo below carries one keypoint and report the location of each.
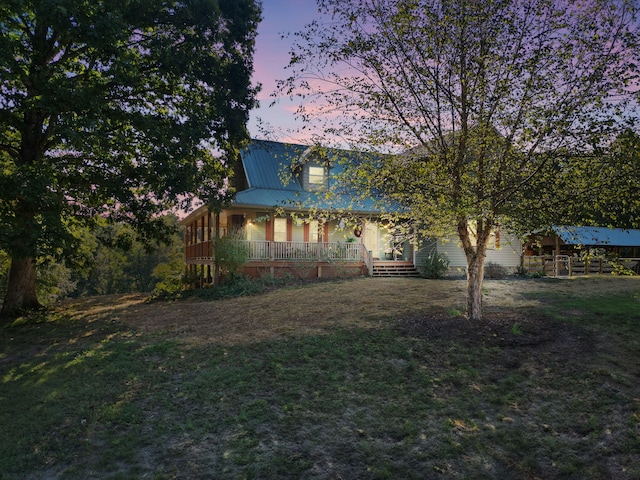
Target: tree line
(109, 260)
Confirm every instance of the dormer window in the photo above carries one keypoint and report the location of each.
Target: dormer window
(316, 177)
(312, 169)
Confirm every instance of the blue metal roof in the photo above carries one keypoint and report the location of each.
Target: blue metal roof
(594, 236)
(267, 164)
(268, 198)
(267, 167)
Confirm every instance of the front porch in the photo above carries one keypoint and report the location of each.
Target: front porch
(304, 248)
(264, 250)
(298, 259)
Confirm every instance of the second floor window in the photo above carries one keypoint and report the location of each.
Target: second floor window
(317, 178)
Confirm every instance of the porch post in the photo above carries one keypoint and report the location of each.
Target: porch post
(557, 254)
(186, 250)
(216, 267)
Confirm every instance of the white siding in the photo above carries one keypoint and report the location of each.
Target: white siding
(508, 255)
(297, 232)
(372, 239)
(426, 248)
(337, 234)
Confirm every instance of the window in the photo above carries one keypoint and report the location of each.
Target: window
(314, 228)
(280, 230)
(316, 177)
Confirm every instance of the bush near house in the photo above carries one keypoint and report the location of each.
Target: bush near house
(434, 266)
(494, 271)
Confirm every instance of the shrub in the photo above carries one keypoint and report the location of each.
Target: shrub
(434, 266)
(494, 270)
(170, 277)
(231, 253)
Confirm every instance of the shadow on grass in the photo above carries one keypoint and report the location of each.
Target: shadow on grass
(425, 397)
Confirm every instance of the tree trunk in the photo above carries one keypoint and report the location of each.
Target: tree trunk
(21, 287)
(475, 255)
(475, 277)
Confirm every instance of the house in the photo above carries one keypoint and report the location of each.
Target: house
(291, 224)
(294, 220)
(574, 250)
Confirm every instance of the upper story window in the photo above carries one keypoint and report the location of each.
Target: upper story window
(312, 169)
(316, 177)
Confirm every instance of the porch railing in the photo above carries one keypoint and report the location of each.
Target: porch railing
(199, 250)
(322, 251)
(291, 251)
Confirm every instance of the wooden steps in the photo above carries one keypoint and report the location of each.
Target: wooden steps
(394, 269)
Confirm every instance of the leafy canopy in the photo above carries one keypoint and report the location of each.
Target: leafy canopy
(477, 96)
(113, 109)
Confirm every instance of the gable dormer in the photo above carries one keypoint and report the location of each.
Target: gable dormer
(312, 169)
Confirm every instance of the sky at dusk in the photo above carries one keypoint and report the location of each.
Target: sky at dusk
(271, 58)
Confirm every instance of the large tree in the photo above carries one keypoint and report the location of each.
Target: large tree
(597, 186)
(475, 97)
(114, 109)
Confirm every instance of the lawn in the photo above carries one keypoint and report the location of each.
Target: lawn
(359, 379)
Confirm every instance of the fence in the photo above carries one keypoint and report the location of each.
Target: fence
(566, 265)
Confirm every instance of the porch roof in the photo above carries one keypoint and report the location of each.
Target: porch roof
(594, 236)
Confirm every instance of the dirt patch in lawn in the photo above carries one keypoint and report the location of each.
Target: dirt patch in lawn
(517, 335)
(506, 329)
(365, 303)
(299, 310)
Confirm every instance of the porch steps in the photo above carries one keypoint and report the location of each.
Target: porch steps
(394, 269)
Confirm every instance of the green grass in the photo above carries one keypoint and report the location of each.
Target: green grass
(619, 312)
(84, 399)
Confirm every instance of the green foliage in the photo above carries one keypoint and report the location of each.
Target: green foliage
(233, 286)
(435, 265)
(55, 281)
(516, 329)
(107, 264)
(112, 109)
(471, 113)
(119, 263)
(169, 276)
(599, 187)
(231, 252)
(5, 262)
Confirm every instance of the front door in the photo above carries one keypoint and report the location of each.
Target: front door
(371, 238)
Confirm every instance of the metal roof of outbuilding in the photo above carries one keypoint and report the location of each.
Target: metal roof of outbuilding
(595, 236)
